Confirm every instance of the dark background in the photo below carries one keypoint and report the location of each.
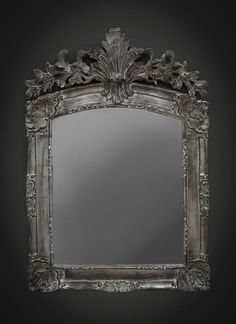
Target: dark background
(199, 32)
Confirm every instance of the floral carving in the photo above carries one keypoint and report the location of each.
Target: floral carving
(196, 276)
(194, 111)
(43, 277)
(116, 65)
(30, 195)
(116, 286)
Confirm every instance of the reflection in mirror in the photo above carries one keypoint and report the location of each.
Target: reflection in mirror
(118, 188)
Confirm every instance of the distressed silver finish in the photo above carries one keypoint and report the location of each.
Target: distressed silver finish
(128, 78)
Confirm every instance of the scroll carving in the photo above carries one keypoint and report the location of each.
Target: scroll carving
(195, 276)
(116, 65)
(43, 277)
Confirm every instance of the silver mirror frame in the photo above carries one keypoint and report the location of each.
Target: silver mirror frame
(117, 75)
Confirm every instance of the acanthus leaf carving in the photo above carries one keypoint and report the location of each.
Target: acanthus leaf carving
(196, 276)
(116, 65)
(43, 277)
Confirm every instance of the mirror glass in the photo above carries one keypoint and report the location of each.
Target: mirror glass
(117, 188)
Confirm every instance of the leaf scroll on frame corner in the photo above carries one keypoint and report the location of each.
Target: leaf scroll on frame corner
(116, 74)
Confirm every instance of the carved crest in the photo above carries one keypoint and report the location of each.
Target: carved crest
(116, 65)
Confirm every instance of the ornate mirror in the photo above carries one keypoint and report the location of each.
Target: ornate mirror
(117, 188)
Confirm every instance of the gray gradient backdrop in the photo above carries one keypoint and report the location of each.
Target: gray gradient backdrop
(118, 188)
(203, 33)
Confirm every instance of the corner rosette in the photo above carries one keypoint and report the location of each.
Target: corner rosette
(194, 111)
(43, 277)
(45, 106)
(39, 110)
(195, 277)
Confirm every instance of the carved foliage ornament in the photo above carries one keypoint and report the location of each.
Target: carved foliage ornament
(116, 65)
